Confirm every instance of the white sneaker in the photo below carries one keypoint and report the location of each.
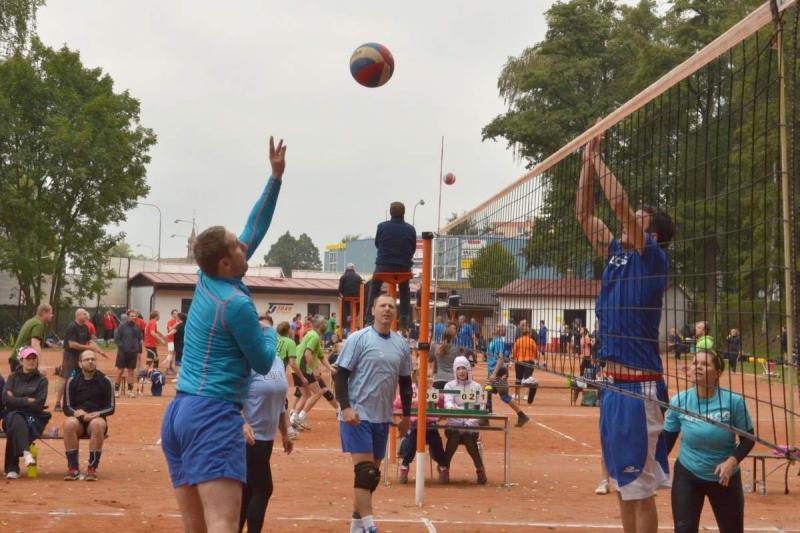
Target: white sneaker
(28, 458)
(131, 394)
(302, 424)
(12, 475)
(116, 393)
(602, 488)
(292, 433)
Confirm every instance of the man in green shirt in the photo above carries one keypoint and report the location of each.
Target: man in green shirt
(309, 354)
(32, 333)
(330, 327)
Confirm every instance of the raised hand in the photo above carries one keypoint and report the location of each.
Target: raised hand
(277, 157)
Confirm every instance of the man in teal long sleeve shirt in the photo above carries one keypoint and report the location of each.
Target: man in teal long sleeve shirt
(201, 433)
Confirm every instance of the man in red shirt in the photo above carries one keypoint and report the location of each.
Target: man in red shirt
(151, 339)
(171, 323)
(140, 321)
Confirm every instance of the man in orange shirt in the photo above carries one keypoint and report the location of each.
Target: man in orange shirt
(171, 323)
(151, 339)
(525, 352)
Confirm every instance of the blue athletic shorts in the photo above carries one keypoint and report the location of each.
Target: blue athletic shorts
(202, 440)
(634, 448)
(366, 437)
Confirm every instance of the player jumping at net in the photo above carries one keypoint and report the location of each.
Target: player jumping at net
(629, 310)
(201, 434)
(374, 361)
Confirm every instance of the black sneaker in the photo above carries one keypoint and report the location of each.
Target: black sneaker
(57, 408)
(522, 419)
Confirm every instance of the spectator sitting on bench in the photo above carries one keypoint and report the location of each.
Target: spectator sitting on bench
(89, 400)
(24, 397)
(457, 431)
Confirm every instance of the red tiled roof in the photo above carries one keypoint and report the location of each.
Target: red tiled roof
(252, 282)
(552, 287)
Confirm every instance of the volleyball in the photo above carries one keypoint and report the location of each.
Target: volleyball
(449, 178)
(372, 65)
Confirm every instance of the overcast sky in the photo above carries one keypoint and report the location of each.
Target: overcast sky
(215, 79)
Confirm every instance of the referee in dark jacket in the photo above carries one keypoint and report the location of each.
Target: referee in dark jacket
(89, 400)
(349, 287)
(396, 241)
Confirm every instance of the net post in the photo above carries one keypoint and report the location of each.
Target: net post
(787, 217)
(424, 348)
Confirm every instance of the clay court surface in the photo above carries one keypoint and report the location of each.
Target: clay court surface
(554, 472)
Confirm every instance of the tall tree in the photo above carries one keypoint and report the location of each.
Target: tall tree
(17, 23)
(293, 254)
(493, 268)
(73, 158)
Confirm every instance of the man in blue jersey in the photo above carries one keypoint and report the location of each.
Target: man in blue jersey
(372, 365)
(201, 434)
(629, 311)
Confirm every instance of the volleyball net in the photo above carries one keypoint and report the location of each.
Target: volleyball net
(715, 144)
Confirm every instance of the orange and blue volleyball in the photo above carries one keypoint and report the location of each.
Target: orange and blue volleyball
(372, 65)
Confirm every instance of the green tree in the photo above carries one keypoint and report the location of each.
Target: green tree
(293, 254)
(351, 237)
(493, 268)
(17, 23)
(73, 161)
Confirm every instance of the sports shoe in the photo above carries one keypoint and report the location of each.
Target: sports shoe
(12, 475)
(91, 474)
(116, 393)
(444, 475)
(402, 475)
(292, 433)
(371, 529)
(72, 475)
(131, 394)
(302, 424)
(58, 408)
(482, 479)
(522, 419)
(28, 457)
(602, 488)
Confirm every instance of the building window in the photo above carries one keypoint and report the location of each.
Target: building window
(319, 309)
(518, 315)
(186, 303)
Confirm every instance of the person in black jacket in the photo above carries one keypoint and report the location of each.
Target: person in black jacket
(128, 338)
(349, 287)
(89, 400)
(396, 241)
(24, 397)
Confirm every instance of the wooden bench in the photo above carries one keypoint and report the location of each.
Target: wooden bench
(787, 462)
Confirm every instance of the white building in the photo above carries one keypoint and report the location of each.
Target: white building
(281, 297)
(559, 301)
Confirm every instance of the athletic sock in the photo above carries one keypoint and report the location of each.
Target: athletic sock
(72, 459)
(355, 525)
(368, 522)
(94, 458)
(130, 387)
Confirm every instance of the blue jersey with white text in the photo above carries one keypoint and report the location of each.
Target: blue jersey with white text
(629, 305)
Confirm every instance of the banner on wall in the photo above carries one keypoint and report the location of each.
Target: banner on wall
(283, 308)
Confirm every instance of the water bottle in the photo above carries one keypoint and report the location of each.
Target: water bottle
(747, 480)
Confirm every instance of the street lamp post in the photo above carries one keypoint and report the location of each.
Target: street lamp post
(414, 212)
(159, 230)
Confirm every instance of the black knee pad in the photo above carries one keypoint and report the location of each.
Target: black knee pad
(328, 395)
(367, 476)
(297, 393)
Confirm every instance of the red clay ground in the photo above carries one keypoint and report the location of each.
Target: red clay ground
(554, 471)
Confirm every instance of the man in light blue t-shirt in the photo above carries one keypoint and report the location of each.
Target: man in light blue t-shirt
(373, 362)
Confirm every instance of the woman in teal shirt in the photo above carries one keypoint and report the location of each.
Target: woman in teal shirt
(708, 462)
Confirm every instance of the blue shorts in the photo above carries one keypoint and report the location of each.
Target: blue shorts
(634, 448)
(202, 440)
(366, 437)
